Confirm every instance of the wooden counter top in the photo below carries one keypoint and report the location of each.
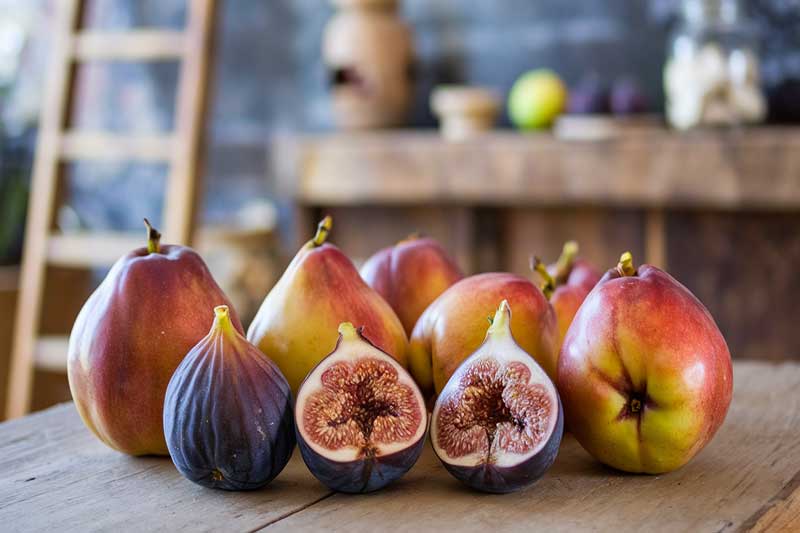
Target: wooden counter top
(56, 475)
(755, 168)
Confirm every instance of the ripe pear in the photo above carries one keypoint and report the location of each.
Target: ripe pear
(132, 334)
(566, 284)
(410, 275)
(297, 324)
(454, 326)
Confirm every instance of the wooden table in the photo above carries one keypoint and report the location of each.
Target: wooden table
(56, 475)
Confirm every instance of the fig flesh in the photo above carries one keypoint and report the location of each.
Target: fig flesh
(498, 422)
(228, 412)
(361, 419)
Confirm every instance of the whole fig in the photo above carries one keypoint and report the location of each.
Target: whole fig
(228, 412)
(131, 335)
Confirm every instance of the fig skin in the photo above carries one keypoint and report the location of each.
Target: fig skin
(366, 474)
(131, 335)
(361, 476)
(228, 412)
(453, 326)
(645, 374)
(296, 324)
(410, 275)
(489, 477)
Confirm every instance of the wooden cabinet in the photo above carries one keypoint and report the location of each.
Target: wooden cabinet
(719, 209)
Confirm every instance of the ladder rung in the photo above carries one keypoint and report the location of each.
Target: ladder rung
(51, 353)
(134, 45)
(95, 249)
(101, 146)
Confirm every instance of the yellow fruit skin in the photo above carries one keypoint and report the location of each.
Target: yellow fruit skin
(297, 324)
(536, 99)
(454, 326)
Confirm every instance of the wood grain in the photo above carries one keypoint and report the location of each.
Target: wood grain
(56, 474)
(751, 168)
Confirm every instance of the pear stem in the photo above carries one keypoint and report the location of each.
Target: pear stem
(323, 228)
(625, 266)
(348, 331)
(222, 318)
(153, 238)
(501, 321)
(548, 283)
(566, 260)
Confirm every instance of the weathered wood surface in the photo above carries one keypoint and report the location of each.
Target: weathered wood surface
(750, 169)
(56, 475)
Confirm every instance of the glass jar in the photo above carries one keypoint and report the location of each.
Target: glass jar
(711, 77)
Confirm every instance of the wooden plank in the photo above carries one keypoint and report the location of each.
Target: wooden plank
(754, 456)
(60, 476)
(40, 211)
(751, 169)
(95, 249)
(106, 146)
(56, 474)
(655, 238)
(130, 45)
(602, 235)
(181, 196)
(51, 353)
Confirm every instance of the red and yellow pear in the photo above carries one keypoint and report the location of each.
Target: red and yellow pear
(132, 334)
(454, 325)
(644, 375)
(321, 288)
(410, 275)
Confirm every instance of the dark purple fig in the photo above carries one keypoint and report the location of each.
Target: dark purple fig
(361, 419)
(498, 422)
(627, 97)
(589, 97)
(228, 412)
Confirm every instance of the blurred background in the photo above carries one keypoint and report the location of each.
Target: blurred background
(504, 128)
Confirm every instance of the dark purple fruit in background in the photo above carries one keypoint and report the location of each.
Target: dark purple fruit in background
(498, 422)
(627, 97)
(228, 412)
(361, 419)
(589, 97)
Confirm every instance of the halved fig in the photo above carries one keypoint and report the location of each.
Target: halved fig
(498, 422)
(361, 419)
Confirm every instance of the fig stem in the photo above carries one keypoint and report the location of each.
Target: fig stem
(348, 331)
(548, 283)
(501, 321)
(222, 318)
(323, 228)
(153, 238)
(625, 265)
(566, 260)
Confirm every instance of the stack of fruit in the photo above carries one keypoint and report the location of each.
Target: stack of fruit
(643, 378)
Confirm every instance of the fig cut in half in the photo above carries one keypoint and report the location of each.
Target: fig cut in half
(498, 422)
(361, 419)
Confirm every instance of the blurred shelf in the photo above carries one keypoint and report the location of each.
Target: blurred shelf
(131, 45)
(95, 249)
(756, 168)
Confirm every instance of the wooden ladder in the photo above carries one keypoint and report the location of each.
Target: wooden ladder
(180, 150)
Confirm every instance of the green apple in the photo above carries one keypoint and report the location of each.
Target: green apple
(536, 99)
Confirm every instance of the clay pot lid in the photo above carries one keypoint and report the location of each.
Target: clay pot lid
(463, 99)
